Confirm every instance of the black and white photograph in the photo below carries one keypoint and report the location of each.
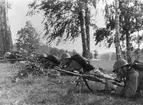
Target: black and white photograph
(71, 52)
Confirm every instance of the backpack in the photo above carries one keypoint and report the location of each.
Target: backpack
(53, 59)
(137, 65)
(85, 64)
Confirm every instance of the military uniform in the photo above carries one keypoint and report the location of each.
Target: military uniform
(134, 78)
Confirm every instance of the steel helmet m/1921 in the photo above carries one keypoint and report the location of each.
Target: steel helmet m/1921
(66, 55)
(119, 63)
(42, 56)
(7, 54)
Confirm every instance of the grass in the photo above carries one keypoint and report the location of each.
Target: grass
(52, 91)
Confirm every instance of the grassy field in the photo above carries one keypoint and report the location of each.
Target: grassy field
(52, 91)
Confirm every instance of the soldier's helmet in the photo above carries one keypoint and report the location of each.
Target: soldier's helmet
(65, 55)
(7, 54)
(43, 55)
(119, 63)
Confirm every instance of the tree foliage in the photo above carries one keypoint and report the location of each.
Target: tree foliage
(65, 20)
(131, 20)
(61, 18)
(28, 38)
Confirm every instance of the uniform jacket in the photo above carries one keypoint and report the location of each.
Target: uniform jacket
(134, 83)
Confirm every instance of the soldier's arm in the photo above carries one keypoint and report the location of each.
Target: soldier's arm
(131, 85)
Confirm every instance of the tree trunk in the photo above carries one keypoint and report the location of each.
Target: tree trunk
(7, 41)
(87, 24)
(2, 28)
(117, 41)
(128, 47)
(83, 33)
(83, 36)
(5, 33)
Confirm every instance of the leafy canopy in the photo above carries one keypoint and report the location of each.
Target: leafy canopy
(28, 38)
(131, 20)
(61, 17)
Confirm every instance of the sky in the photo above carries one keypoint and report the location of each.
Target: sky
(17, 18)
